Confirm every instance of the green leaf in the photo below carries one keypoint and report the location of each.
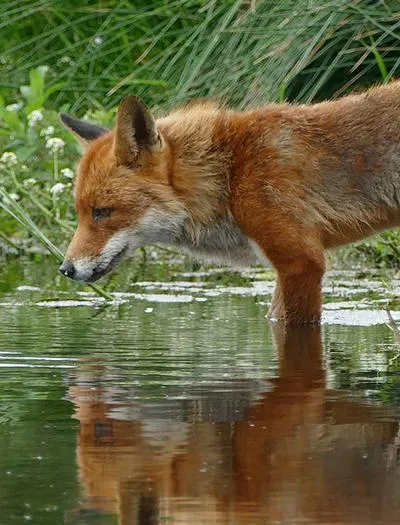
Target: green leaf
(26, 152)
(35, 104)
(12, 120)
(52, 89)
(36, 84)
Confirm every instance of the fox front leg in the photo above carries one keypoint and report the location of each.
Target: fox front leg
(300, 287)
(294, 248)
(276, 311)
(298, 295)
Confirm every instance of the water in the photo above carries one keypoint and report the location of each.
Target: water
(181, 404)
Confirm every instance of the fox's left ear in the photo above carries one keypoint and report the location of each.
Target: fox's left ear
(84, 131)
(135, 130)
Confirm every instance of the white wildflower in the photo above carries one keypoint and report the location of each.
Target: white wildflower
(29, 182)
(55, 144)
(34, 117)
(57, 188)
(66, 172)
(14, 107)
(66, 60)
(14, 196)
(47, 132)
(98, 40)
(8, 159)
(43, 70)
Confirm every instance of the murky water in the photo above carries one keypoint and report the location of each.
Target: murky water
(181, 404)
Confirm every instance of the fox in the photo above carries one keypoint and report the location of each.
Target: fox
(278, 184)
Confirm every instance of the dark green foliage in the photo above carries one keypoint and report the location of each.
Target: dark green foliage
(167, 51)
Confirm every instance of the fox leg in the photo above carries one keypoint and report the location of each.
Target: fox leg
(300, 286)
(297, 298)
(293, 243)
(276, 311)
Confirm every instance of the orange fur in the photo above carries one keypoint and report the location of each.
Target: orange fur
(289, 180)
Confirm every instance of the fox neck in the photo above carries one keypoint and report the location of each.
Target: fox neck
(200, 166)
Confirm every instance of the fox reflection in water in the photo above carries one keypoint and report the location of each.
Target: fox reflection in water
(290, 452)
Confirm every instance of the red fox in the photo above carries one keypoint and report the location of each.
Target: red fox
(280, 183)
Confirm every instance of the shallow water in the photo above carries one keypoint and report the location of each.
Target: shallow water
(180, 403)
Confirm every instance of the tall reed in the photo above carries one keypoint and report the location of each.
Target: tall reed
(246, 51)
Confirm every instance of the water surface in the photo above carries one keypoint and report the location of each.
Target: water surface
(180, 403)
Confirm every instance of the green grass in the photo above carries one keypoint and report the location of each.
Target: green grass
(84, 56)
(168, 51)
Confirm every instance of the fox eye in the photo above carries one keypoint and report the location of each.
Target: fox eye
(101, 213)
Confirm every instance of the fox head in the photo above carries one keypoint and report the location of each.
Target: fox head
(123, 193)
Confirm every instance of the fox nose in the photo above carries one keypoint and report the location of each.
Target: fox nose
(68, 269)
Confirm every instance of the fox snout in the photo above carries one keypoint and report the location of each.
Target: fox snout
(84, 271)
(89, 271)
(67, 269)
(89, 267)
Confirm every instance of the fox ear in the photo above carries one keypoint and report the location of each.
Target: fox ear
(84, 131)
(135, 130)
